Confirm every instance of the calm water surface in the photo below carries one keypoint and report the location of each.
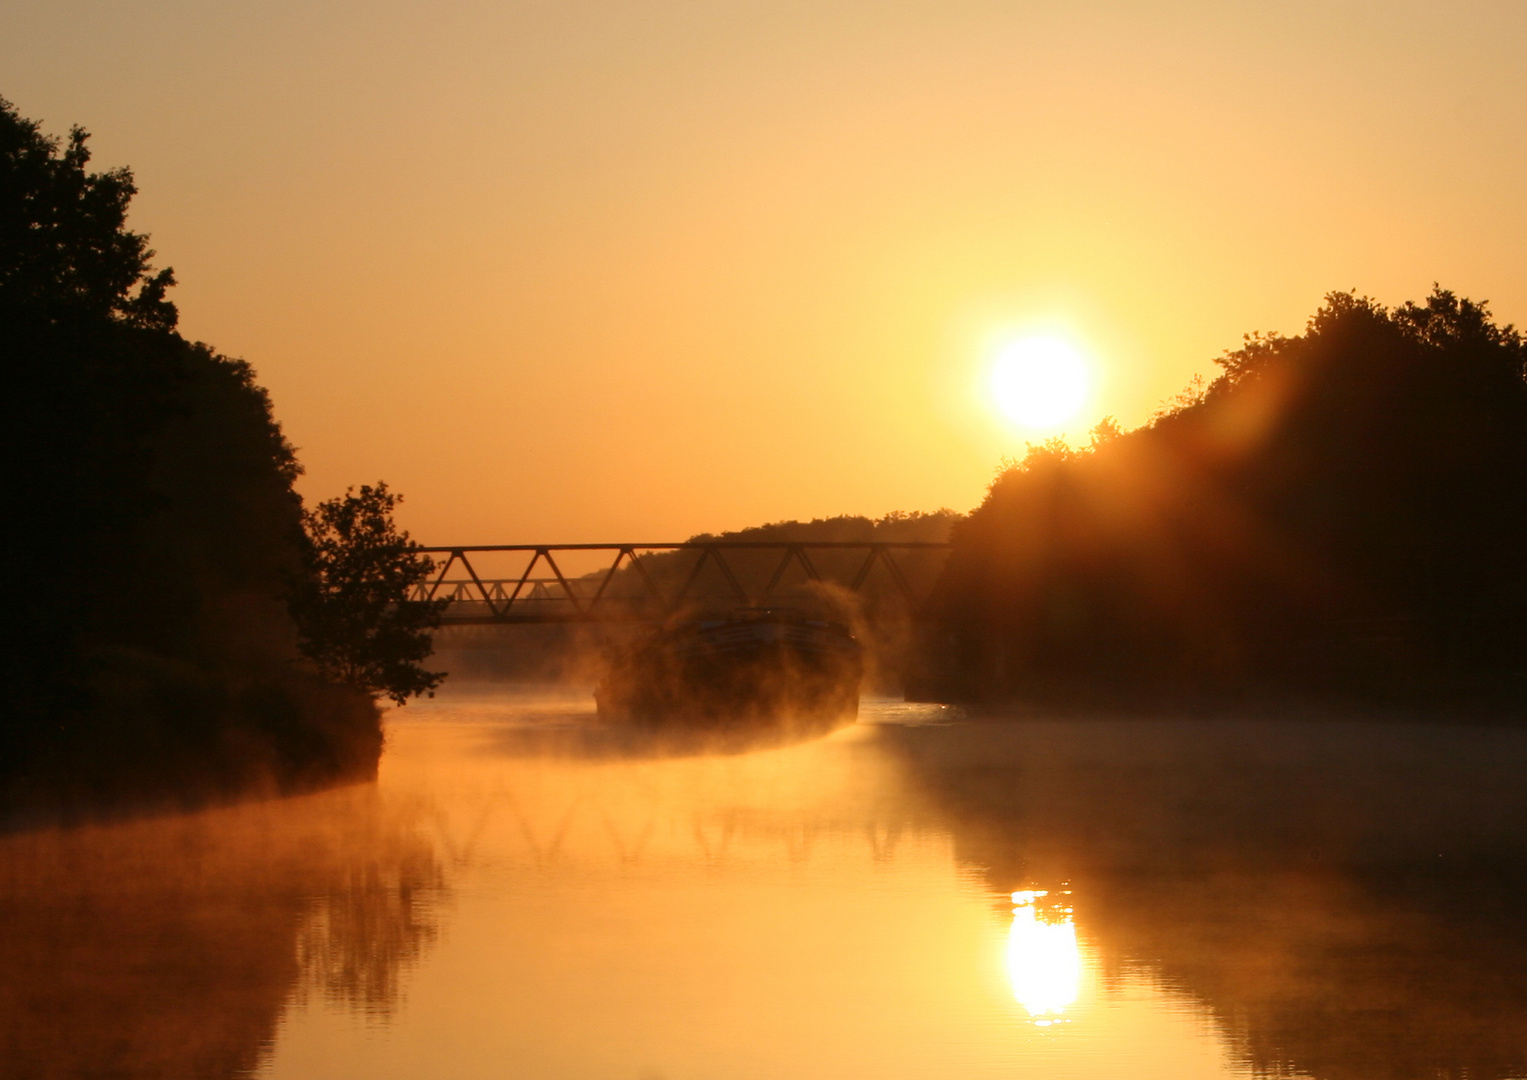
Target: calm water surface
(526, 894)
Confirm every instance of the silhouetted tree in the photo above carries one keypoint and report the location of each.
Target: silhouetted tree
(153, 527)
(353, 605)
(64, 246)
(92, 370)
(1339, 512)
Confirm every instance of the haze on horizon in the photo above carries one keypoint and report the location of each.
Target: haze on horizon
(594, 270)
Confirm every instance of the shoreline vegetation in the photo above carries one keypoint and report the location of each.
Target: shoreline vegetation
(1336, 520)
(187, 633)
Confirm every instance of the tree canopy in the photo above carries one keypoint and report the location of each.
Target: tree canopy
(354, 605)
(153, 516)
(64, 244)
(1341, 511)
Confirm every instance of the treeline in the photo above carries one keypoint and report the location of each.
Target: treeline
(1338, 515)
(899, 526)
(878, 612)
(754, 570)
(154, 537)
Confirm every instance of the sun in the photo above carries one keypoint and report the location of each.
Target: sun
(1040, 382)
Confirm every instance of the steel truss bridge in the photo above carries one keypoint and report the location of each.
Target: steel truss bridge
(639, 594)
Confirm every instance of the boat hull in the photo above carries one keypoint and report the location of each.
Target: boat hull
(791, 674)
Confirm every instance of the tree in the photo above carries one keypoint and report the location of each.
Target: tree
(352, 606)
(64, 245)
(1339, 512)
(151, 487)
(93, 373)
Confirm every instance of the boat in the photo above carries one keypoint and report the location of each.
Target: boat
(750, 668)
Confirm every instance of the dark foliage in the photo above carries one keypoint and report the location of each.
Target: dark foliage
(1339, 513)
(877, 610)
(64, 247)
(153, 523)
(669, 570)
(353, 603)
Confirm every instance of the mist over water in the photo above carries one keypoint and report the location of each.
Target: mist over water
(527, 893)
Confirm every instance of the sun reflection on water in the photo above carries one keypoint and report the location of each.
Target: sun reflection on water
(1044, 961)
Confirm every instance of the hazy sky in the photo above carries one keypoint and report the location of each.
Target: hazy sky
(591, 270)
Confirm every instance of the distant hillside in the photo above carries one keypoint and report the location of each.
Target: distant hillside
(897, 526)
(878, 596)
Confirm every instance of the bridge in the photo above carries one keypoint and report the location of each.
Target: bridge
(653, 582)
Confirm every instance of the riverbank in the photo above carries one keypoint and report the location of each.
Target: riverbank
(154, 735)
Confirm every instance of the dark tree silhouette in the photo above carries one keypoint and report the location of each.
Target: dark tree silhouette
(153, 527)
(1342, 512)
(353, 606)
(64, 247)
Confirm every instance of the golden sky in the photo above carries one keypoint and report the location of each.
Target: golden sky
(586, 271)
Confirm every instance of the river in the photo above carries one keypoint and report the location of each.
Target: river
(524, 893)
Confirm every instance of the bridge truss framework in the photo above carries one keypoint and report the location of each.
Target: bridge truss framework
(479, 600)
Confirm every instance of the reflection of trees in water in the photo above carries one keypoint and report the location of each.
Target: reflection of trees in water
(368, 929)
(169, 947)
(1389, 975)
(1348, 902)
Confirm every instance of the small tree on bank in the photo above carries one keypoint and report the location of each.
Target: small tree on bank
(352, 606)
